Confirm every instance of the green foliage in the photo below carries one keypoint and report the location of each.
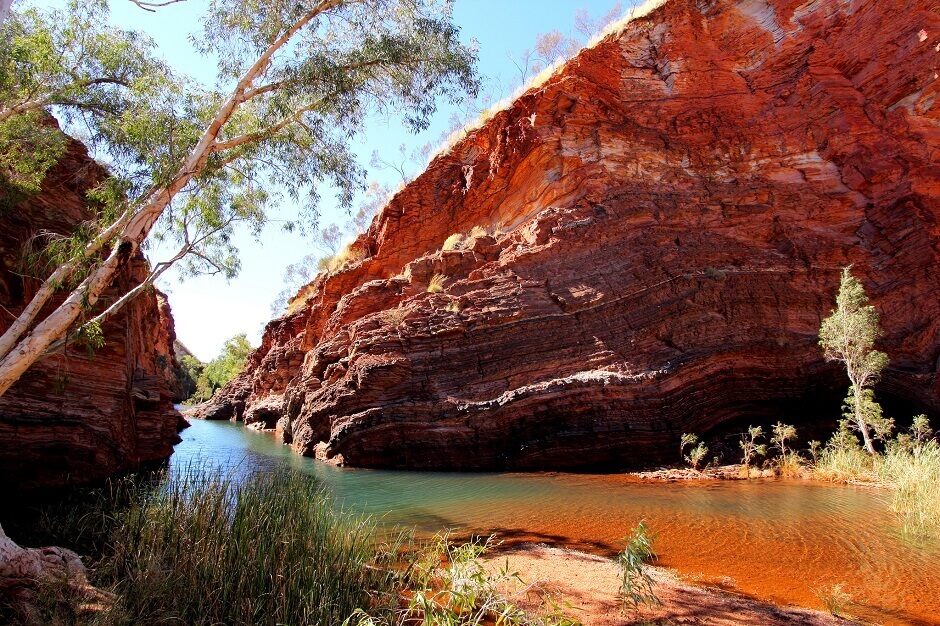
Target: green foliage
(637, 582)
(28, 148)
(223, 368)
(914, 473)
(843, 460)
(90, 336)
(68, 59)
(781, 434)
(920, 429)
(296, 82)
(697, 450)
(814, 449)
(187, 375)
(910, 467)
(715, 273)
(749, 446)
(272, 549)
(848, 335)
(860, 407)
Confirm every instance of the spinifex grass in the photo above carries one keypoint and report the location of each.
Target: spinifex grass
(268, 550)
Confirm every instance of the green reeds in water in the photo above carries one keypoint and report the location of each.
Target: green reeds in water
(269, 549)
(914, 472)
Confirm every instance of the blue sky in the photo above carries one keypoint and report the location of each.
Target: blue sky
(208, 310)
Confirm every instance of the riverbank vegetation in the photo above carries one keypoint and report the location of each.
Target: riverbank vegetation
(222, 368)
(908, 463)
(203, 548)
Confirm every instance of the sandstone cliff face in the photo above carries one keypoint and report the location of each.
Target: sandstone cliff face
(74, 418)
(678, 201)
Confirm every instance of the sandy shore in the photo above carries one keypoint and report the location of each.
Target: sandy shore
(585, 587)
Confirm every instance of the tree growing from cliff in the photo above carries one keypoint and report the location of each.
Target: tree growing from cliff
(848, 336)
(295, 81)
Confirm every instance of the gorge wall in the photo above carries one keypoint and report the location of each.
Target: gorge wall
(674, 208)
(73, 418)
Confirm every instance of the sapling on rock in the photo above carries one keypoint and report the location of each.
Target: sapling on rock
(749, 446)
(781, 433)
(697, 450)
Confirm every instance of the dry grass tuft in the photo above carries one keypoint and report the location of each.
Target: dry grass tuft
(454, 242)
(436, 285)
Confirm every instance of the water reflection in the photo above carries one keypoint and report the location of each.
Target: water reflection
(776, 540)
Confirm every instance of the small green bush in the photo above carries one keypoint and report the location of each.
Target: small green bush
(749, 446)
(715, 273)
(697, 450)
(637, 585)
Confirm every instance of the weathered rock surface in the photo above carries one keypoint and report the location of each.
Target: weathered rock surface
(74, 418)
(678, 201)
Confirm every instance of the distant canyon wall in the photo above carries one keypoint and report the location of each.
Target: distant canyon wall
(662, 227)
(73, 418)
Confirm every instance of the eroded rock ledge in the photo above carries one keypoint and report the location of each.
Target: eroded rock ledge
(72, 418)
(676, 204)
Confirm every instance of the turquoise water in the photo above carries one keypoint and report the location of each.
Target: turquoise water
(779, 540)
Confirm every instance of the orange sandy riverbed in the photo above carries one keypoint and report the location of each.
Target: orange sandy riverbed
(585, 587)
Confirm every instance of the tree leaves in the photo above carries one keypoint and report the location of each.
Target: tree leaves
(848, 335)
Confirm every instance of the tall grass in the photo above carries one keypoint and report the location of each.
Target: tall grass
(269, 550)
(914, 472)
(205, 549)
(910, 467)
(846, 464)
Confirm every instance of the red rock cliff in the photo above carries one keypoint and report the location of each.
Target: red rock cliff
(74, 418)
(678, 201)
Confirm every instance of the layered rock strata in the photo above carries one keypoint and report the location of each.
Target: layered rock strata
(662, 226)
(73, 418)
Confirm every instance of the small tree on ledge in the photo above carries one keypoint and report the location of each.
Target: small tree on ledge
(848, 335)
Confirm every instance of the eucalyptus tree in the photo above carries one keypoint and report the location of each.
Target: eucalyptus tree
(848, 335)
(296, 80)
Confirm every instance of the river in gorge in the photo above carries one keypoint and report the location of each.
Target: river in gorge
(777, 540)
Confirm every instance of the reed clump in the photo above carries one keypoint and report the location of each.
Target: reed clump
(909, 466)
(913, 470)
(206, 549)
(269, 550)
